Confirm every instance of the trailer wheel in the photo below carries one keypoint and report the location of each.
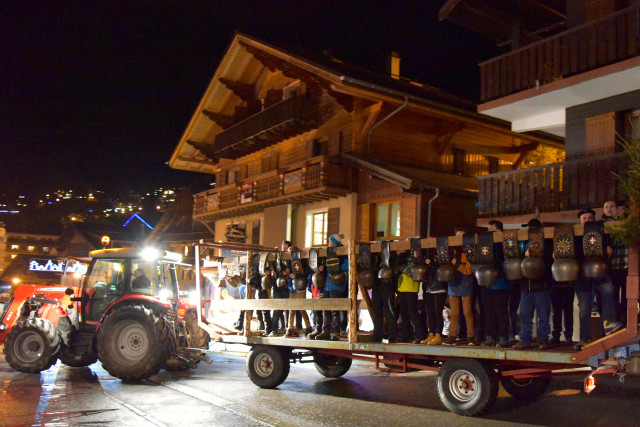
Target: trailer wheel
(32, 346)
(528, 388)
(331, 366)
(466, 386)
(267, 366)
(133, 342)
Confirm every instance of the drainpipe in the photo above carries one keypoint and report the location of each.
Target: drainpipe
(435, 196)
(404, 104)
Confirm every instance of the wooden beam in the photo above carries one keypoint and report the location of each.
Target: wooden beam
(221, 120)
(374, 111)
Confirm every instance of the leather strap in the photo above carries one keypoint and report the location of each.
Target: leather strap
(442, 250)
(510, 244)
(296, 264)
(485, 249)
(364, 258)
(563, 245)
(469, 248)
(536, 242)
(313, 259)
(263, 263)
(592, 241)
(416, 250)
(385, 253)
(332, 262)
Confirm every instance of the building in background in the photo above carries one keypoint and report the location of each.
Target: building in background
(572, 69)
(304, 146)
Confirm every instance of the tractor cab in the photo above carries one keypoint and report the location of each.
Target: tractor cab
(116, 275)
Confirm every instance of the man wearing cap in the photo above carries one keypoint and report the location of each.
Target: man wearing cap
(331, 320)
(585, 287)
(536, 296)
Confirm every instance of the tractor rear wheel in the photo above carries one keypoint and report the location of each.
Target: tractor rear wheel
(32, 346)
(133, 342)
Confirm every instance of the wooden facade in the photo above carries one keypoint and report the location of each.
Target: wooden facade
(275, 128)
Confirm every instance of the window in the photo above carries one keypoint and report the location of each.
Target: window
(15, 247)
(45, 249)
(31, 248)
(317, 226)
(387, 220)
(13, 256)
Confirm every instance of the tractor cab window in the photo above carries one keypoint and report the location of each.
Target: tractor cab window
(152, 278)
(103, 286)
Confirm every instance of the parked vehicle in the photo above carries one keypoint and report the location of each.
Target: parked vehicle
(135, 326)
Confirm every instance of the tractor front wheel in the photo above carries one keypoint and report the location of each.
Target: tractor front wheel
(32, 346)
(133, 342)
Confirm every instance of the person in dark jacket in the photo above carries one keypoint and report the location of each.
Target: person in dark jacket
(331, 320)
(495, 303)
(434, 295)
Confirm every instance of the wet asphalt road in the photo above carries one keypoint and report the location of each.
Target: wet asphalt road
(221, 395)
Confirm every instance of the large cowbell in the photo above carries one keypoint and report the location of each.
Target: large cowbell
(511, 265)
(366, 276)
(268, 281)
(446, 271)
(299, 278)
(594, 265)
(337, 276)
(487, 273)
(385, 273)
(318, 278)
(533, 266)
(418, 267)
(565, 268)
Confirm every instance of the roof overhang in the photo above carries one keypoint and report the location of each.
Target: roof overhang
(543, 108)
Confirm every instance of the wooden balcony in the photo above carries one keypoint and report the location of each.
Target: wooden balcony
(286, 119)
(552, 188)
(605, 41)
(308, 181)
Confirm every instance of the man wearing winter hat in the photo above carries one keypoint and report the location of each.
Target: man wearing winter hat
(331, 321)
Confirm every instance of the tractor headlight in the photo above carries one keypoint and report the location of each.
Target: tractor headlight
(3, 326)
(164, 294)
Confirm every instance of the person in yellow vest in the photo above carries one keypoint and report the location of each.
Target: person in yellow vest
(408, 305)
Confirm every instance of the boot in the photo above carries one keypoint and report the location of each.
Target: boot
(324, 335)
(427, 339)
(436, 340)
(335, 337)
(312, 335)
(290, 334)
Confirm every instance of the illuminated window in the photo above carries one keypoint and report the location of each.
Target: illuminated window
(13, 256)
(15, 247)
(45, 249)
(31, 248)
(387, 220)
(316, 228)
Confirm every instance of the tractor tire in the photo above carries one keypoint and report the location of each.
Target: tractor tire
(133, 342)
(197, 337)
(32, 346)
(331, 366)
(76, 360)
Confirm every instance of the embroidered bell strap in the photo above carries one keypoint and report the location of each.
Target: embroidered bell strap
(364, 257)
(386, 254)
(592, 239)
(469, 248)
(313, 259)
(536, 242)
(510, 244)
(332, 262)
(416, 250)
(263, 263)
(563, 245)
(442, 250)
(296, 263)
(485, 249)
(278, 266)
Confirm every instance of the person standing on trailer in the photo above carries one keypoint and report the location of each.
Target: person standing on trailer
(335, 287)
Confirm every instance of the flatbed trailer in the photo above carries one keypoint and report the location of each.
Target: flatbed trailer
(468, 376)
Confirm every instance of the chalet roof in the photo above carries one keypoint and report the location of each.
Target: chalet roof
(497, 18)
(409, 177)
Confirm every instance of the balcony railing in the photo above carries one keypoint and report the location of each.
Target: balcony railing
(283, 120)
(312, 179)
(607, 40)
(551, 188)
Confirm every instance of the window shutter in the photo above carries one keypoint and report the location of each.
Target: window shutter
(333, 221)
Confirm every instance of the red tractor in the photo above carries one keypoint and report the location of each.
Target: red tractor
(129, 314)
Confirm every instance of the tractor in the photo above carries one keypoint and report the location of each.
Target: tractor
(129, 313)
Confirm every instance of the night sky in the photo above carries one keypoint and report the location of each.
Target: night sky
(96, 94)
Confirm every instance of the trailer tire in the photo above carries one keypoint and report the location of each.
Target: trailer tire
(267, 366)
(32, 346)
(466, 387)
(528, 388)
(331, 366)
(132, 342)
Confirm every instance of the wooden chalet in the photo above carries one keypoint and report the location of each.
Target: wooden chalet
(572, 69)
(304, 146)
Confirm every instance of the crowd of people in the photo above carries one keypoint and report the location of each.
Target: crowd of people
(460, 311)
